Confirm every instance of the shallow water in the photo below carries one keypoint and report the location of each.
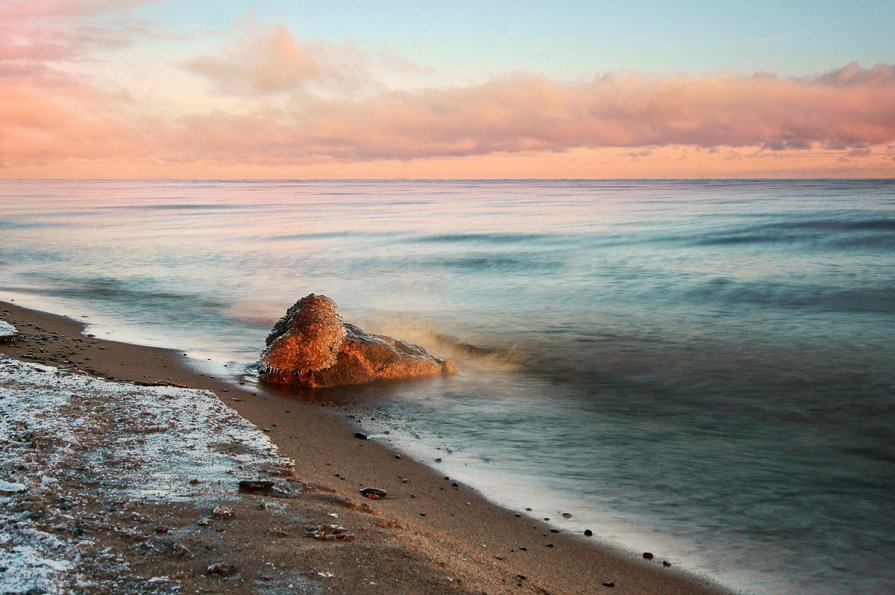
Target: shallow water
(705, 369)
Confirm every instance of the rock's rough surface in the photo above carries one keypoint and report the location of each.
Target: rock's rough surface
(311, 346)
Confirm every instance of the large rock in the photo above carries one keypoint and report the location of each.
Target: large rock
(311, 346)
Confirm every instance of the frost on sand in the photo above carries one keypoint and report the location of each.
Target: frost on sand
(72, 445)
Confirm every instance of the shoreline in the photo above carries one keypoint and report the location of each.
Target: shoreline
(455, 531)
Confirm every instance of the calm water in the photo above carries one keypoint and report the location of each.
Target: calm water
(705, 370)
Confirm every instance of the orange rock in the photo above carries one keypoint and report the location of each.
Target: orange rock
(311, 346)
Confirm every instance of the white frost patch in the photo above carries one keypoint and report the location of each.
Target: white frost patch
(31, 560)
(7, 330)
(108, 442)
(7, 487)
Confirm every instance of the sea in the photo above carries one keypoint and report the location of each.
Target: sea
(700, 369)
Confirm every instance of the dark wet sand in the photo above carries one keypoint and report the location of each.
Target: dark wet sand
(426, 536)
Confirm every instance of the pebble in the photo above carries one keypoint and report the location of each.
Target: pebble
(220, 569)
(223, 512)
(438, 460)
(373, 493)
(588, 533)
(255, 486)
(647, 555)
(397, 456)
(666, 563)
(162, 529)
(330, 533)
(566, 515)
(360, 436)
(608, 584)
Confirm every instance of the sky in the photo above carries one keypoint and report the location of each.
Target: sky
(400, 89)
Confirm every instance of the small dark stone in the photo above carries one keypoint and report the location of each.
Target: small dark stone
(647, 555)
(608, 584)
(588, 533)
(162, 529)
(397, 456)
(566, 515)
(549, 545)
(528, 509)
(455, 485)
(220, 569)
(666, 563)
(438, 460)
(360, 435)
(255, 486)
(373, 493)
(554, 530)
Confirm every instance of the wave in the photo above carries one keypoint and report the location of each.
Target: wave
(831, 232)
(879, 300)
(495, 262)
(184, 207)
(486, 238)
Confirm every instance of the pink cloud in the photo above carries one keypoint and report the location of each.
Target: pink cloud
(848, 107)
(318, 102)
(267, 59)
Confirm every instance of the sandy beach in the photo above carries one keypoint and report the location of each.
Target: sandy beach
(430, 534)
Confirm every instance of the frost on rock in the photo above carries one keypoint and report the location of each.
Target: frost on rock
(7, 332)
(77, 439)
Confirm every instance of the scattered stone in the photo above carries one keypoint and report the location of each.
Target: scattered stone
(360, 436)
(438, 460)
(330, 533)
(666, 563)
(181, 551)
(397, 456)
(264, 487)
(566, 515)
(162, 529)
(373, 493)
(588, 533)
(647, 555)
(255, 486)
(608, 583)
(221, 570)
(311, 346)
(223, 512)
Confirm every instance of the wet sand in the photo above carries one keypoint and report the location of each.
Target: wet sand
(425, 536)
